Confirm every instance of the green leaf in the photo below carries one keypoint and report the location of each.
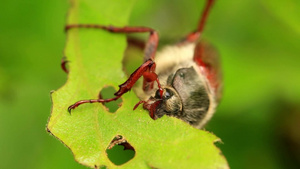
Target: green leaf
(285, 11)
(95, 62)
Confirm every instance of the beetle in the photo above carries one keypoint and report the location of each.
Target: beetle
(187, 75)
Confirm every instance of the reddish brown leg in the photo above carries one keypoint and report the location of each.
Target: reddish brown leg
(73, 106)
(194, 36)
(64, 64)
(147, 69)
(151, 44)
(150, 48)
(144, 70)
(137, 105)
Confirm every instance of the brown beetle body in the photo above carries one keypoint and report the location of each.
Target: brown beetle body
(192, 98)
(187, 74)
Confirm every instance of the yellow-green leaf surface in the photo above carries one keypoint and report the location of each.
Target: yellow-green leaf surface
(95, 61)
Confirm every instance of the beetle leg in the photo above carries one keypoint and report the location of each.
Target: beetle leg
(194, 36)
(151, 44)
(73, 106)
(137, 105)
(144, 70)
(150, 48)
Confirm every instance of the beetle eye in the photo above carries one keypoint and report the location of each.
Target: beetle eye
(181, 74)
(157, 94)
(167, 94)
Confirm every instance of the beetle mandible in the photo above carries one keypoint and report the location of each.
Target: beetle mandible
(187, 74)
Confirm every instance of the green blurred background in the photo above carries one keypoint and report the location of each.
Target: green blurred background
(259, 41)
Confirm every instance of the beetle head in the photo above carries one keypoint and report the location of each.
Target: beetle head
(185, 96)
(170, 102)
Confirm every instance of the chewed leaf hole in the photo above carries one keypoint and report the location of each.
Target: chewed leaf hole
(120, 151)
(107, 93)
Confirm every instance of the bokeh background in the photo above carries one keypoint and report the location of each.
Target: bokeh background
(258, 119)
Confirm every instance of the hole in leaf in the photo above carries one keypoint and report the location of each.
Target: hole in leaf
(120, 151)
(107, 93)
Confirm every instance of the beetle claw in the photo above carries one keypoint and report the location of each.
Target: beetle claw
(70, 108)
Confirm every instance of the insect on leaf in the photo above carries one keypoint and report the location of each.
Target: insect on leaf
(95, 62)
